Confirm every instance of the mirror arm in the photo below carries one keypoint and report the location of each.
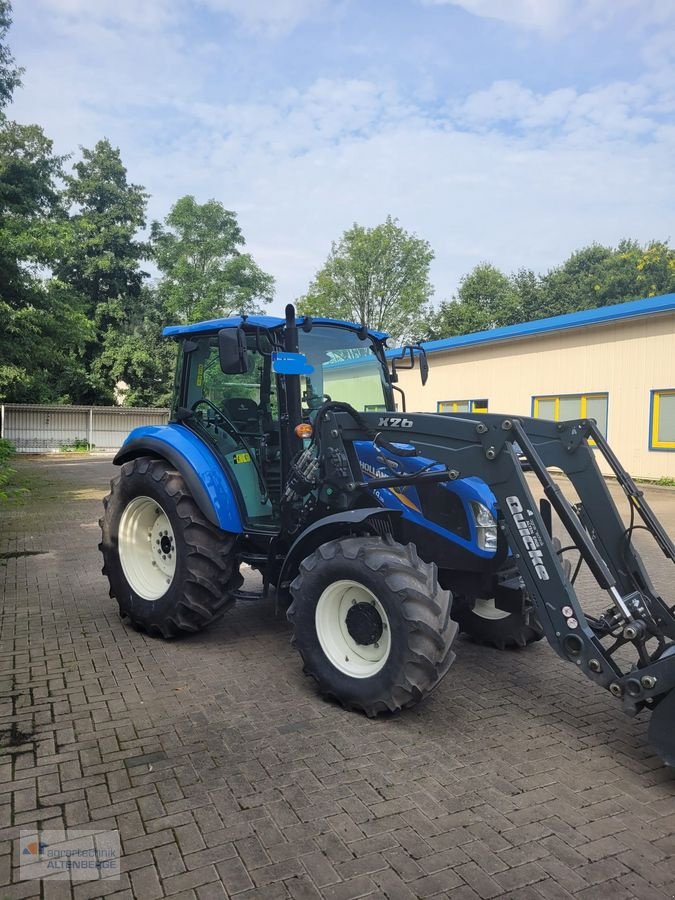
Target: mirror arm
(400, 391)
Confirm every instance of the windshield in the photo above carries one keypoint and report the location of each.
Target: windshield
(345, 368)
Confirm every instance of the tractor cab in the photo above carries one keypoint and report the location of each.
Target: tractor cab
(245, 384)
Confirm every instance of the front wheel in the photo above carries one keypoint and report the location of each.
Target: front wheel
(169, 568)
(372, 623)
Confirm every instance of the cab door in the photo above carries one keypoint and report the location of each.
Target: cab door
(229, 415)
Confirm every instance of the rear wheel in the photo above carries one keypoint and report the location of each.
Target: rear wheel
(485, 623)
(169, 568)
(372, 623)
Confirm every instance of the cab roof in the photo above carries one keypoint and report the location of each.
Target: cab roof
(270, 323)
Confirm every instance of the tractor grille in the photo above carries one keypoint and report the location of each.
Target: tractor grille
(445, 508)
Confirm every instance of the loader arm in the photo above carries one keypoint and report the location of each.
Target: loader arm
(488, 446)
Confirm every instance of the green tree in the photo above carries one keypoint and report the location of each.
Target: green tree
(100, 256)
(599, 276)
(10, 74)
(486, 299)
(204, 273)
(135, 354)
(102, 259)
(376, 276)
(43, 326)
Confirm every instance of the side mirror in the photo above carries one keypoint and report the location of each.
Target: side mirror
(424, 366)
(233, 351)
(407, 361)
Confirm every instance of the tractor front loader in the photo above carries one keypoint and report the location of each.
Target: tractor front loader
(386, 532)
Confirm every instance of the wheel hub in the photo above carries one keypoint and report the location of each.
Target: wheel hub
(353, 628)
(364, 623)
(147, 548)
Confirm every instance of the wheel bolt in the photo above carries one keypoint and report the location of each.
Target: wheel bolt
(616, 689)
(648, 682)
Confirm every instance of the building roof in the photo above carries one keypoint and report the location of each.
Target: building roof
(600, 316)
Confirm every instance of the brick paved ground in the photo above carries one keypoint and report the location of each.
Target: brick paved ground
(226, 775)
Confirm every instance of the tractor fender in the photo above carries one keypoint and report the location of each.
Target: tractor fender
(197, 463)
(328, 529)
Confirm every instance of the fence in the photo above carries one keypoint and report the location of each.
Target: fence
(44, 429)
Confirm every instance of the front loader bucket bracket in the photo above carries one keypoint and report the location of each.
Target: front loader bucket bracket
(661, 734)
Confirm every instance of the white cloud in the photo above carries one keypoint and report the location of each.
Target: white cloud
(516, 198)
(549, 16)
(617, 110)
(145, 15)
(506, 173)
(269, 17)
(538, 14)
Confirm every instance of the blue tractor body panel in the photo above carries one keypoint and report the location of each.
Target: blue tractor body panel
(196, 462)
(376, 464)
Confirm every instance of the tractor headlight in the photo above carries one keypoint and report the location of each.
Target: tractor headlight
(486, 527)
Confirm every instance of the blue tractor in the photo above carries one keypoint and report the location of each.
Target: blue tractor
(384, 532)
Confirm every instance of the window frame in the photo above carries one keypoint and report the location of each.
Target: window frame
(654, 409)
(471, 403)
(584, 397)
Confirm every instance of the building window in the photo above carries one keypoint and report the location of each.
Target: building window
(462, 406)
(662, 424)
(573, 406)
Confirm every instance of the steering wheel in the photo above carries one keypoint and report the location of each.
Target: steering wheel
(231, 427)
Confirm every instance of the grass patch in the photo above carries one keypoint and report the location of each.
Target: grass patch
(663, 481)
(77, 445)
(8, 488)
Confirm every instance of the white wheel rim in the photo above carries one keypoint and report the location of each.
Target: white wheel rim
(147, 548)
(486, 609)
(358, 660)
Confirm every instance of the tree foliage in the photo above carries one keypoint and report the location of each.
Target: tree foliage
(205, 274)
(486, 299)
(376, 276)
(43, 329)
(10, 74)
(102, 259)
(591, 277)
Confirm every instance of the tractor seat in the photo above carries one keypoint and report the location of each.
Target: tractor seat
(242, 412)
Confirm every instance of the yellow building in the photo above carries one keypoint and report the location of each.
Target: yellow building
(615, 364)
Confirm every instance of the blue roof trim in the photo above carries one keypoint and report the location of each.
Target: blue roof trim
(268, 322)
(600, 316)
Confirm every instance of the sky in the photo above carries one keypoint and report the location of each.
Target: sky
(507, 131)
